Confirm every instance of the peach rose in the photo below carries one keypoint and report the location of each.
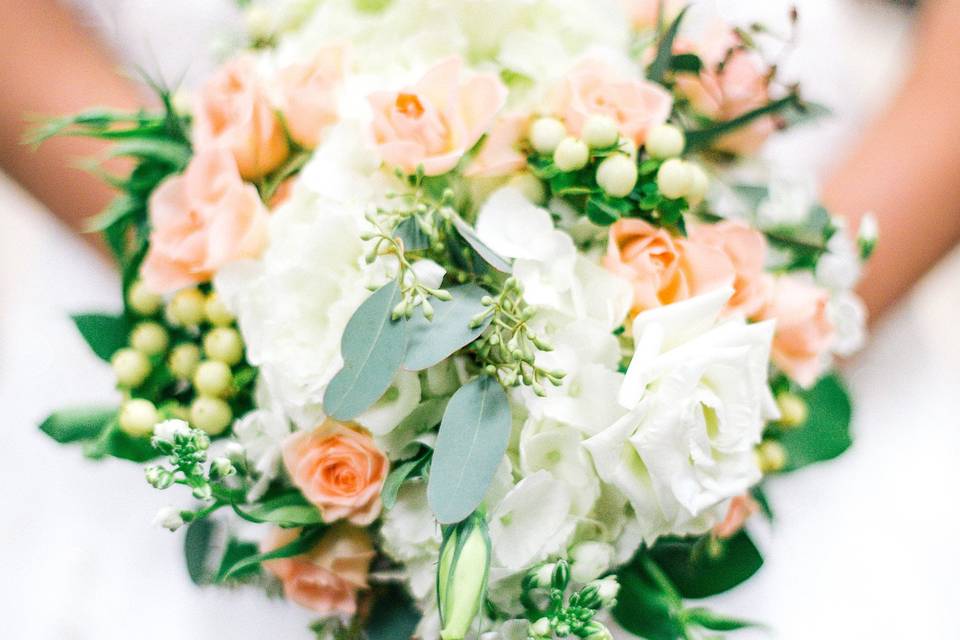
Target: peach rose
(804, 329)
(200, 221)
(741, 509)
(664, 269)
(327, 578)
(339, 469)
(747, 250)
(437, 120)
(596, 87)
(733, 81)
(309, 94)
(499, 156)
(233, 112)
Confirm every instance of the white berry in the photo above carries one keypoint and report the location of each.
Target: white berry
(143, 301)
(699, 183)
(138, 417)
(131, 367)
(674, 178)
(211, 415)
(617, 175)
(212, 378)
(187, 307)
(149, 338)
(217, 312)
(600, 131)
(183, 360)
(224, 344)
(571, 154)
(665, 141)
(546, 134)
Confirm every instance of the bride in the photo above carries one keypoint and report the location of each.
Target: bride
(873, 556)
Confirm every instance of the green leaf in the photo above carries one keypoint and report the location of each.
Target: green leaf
(235, 552)
(120, 208)
(658, 68)
(287, 510)
(807, 113)
(106, 334)
(644, 609)
(698, 139)
(81, 423)
(604, 211)
(430, 341)
(715, 621)
(470, 445)
(307, 540)
(404, 471)
(826, 433)
(686, 63)
(176, 154)
(197, 545)
(372, 346)
(115, 443)
(707, 566)
(488, 255)
(413, 238)
(393, 617)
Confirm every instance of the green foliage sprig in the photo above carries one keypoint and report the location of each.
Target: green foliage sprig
(554, 615)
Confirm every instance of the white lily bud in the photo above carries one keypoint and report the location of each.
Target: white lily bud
(217, 312)
(674, 178)
(608, 588)
(545, 574)
(169, 429)
(138, 417)
(131, 367)
(183, 360)
(143, 301)
(546, 134)
(187, 307)
(224, 344)
(213, 378)
(462, 576)
(665, 141)
(571, 154)
(600, 131)
(149, 338)
(211, 415)
(169, 518)
(617, 175)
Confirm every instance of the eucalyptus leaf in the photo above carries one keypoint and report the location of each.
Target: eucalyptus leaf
(393, 617)
(80, 423)
(287, 510)
(488, 255)
(413, 238)
(471, 442)
(305, 542)
(197, 546)
(105, 334)
(826, 432)
(431, 341)
(372, 346)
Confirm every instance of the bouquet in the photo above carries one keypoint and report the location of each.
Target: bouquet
(460, 320)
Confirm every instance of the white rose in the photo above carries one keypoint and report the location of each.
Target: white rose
(698, 399)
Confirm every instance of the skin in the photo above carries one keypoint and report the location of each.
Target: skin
(906, 168)
(44, 80)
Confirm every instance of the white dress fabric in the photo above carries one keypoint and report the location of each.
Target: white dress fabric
(862, 547)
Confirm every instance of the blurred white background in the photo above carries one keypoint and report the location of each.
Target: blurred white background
(863, 547)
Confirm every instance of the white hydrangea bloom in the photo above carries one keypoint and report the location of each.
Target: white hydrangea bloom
(260, 433)
(697, 396)
(410, 535)
(396, 404)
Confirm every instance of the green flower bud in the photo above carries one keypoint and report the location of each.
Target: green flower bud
(462, 575)
(224, 344)
(149, 338)
(793, 409)
(561, 575)
(217, 312)
(187, 307)
(143, 301)
(213, 378)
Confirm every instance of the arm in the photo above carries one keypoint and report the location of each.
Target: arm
(906, 169)
(51, 66)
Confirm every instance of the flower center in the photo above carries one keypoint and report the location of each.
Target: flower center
(409, 105)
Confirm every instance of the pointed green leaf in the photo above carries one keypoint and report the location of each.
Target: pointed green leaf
(699, 569)
(80, 423)
(197, 545)
(470, 445)
(404, 471)
(430, 341)
(287, 510)
(115, 443)
(236, 551)
(176, 154)
(826, 433)
(307, 541)
(658, 68)
(488, 255)
(106, 334)
(643, 608)
(716, 622)
(372, 346)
